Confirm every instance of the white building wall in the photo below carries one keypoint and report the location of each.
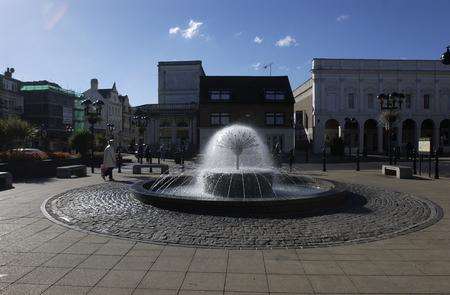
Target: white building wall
(334, 79)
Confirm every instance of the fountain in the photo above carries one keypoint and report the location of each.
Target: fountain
(237, 175)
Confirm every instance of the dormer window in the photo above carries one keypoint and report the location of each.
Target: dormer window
(274, 95)
(220, 94)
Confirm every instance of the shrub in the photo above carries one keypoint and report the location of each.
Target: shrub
(15, 132)
(81, 142)
(18, 156)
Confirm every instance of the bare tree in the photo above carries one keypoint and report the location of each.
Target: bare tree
(237, 141)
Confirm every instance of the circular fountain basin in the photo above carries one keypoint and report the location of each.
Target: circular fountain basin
(288, 194)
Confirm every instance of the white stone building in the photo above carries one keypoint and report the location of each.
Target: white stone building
(348, 88)
(112, 108)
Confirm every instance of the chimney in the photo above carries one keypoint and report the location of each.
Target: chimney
(94, 84)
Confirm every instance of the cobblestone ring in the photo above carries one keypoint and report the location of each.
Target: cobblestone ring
(371, 214)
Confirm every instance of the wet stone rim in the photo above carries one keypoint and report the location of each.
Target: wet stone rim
(371, 214)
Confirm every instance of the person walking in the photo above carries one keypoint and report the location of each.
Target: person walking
(291, 159)
(109, 160)
(148, 154)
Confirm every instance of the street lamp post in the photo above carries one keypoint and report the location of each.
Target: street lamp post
(111, 129)
(390, 106)
(93, 112)
(445, 57)
(350, 122)
(141, 122)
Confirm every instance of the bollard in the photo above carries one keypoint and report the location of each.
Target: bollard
(414, 158)
(420, 163)
(436, 165)
(324, 160)
(357, 159)
(119, 163)
(429, 164)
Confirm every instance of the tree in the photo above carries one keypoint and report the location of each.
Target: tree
(100, 141)
(81, 141)
(15, 132)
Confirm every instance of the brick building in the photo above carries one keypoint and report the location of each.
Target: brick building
(265, 103)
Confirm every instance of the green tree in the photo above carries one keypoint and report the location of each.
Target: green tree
(15, 133)
(100, 142)
(81, 141)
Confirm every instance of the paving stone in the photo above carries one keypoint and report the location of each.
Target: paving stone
(162, 280)
(204, 281)
(322, 267)
(44, 275)
(25, 289)
(11, 273)
(100, 261)
(65, 260)
(66, 290)
(283, 267)
(332, 284)
(289, 283)
(111, 291)
(134, 263)
(122, 278)
(82, 277)
(171, 263)
(208, 265)
(246, 283)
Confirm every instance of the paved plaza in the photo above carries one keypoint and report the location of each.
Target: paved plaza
(38, 256)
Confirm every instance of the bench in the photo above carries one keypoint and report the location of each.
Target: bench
(5, 180)
(400, 172)
(137, 168)
(68, 171)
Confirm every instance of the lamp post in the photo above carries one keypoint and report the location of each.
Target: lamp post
(390, 106)
(350, 122)
(445, 57)
(93, 112)
(140, 121)
(111, 129)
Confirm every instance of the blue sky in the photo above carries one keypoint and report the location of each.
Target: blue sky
(71, 41)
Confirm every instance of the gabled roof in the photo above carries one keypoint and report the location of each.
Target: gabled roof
(245, 89)
(105, 92)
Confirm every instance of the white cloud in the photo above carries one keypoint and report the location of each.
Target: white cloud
(190, 32)
(283, 68)
(258, 40)
(286, 42)
(256, 66)
(174, 30)
(343, 17)
(238, 34)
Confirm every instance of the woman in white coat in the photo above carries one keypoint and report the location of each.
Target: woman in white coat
(109, 160)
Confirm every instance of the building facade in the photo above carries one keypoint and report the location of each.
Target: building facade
(112, 108)
(11, 100)
(50, 108)
(265, 103)
(179, 81)
(341, 89)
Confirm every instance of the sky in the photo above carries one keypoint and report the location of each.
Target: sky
(71, 41)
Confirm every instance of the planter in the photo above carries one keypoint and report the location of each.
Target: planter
(30, 169)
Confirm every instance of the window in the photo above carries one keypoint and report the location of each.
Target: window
(274, 95)
(351, 100)
(275, 119)
(219, 119)
(220, 95)
(370, 101)
(426, 101)
(408, 101)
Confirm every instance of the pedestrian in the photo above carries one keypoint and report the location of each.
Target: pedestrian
(161, 152)
(291, 159)
(140, 153)
(109, 160)
(148, 154)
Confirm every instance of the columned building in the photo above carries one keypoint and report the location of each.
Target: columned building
(340, 101)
